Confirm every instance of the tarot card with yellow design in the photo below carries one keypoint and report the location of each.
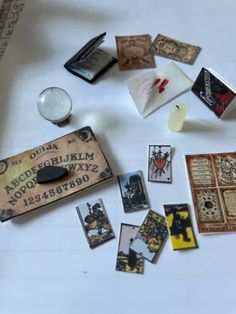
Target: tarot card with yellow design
(180, 226)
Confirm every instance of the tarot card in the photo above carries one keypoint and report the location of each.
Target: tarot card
(174, 49)
(133, 192)
(159, 163)
(95, 223)
(134, 52)
(213, 185)
(180, 226)
(150, 237)
(127, 260)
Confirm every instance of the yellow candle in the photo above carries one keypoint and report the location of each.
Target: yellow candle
(176, 117)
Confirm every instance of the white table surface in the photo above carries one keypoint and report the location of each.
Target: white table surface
(46, 265)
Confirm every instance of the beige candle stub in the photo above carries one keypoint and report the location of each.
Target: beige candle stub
(177, 116)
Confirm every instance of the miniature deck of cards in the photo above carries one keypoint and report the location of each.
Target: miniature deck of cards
(150, 237)
(133, 192)
(180, 226)
(215, 92)
(153, 89)
(25, 187)
(175, 49)
(127, 260)
(159, 163)
(212, 180)
(95, 223)
(134, 52)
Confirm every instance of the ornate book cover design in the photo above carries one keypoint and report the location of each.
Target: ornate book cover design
(215, 92)
(213, 185)
(78, 152)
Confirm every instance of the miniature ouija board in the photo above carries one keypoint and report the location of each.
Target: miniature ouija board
(78, 152)
(213, 186)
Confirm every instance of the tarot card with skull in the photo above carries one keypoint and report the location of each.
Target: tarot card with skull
(180, 226)
(127, 260)
(150, 237)
(159, 163)
(133, 192)
(95, 223)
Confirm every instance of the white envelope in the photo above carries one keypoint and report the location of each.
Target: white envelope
(155, 88)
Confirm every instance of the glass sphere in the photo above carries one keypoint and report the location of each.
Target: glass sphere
(54, 104)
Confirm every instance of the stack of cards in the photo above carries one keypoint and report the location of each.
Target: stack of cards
(94, 220)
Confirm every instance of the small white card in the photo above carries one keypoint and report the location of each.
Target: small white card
(155, 88)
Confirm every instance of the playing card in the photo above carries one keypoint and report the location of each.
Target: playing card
(95, 222)
(155, 88)
(134, 52)
(150, 237)
(180, 226)
(159, 163)
(133, 192)
(127, 260)
(175, 49)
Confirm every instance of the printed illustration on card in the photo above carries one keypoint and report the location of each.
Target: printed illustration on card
(150, 237)
(180, 226)
(213, 184)
(133, 192)
(175, 49)
(134, 52)
(159, 163)
(95, 222)
(127, 259)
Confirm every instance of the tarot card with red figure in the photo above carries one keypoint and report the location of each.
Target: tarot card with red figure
(159, 163)
(95, 223)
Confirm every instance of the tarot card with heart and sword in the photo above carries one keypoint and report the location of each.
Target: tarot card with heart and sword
(159, 163)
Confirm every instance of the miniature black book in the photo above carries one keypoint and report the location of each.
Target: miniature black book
(215, 92)
(90, 62)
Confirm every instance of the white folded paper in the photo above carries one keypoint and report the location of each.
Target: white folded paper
(155, 88)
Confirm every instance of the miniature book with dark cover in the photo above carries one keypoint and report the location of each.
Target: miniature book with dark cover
(21, 187)
(215, 92)
(90, 62)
